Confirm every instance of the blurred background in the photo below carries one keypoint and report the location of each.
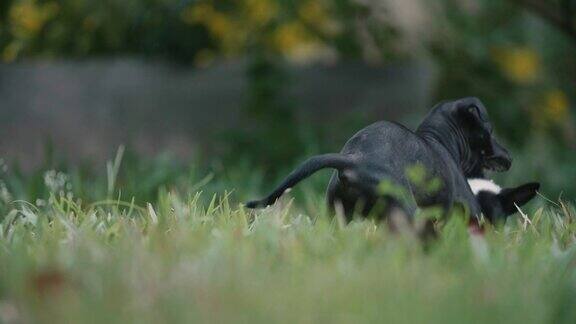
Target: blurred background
(248, 88)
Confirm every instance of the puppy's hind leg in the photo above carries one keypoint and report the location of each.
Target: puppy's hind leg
(338, 200)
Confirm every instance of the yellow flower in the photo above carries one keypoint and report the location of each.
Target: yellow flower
(219, 25)
(28, 18)
(300, 46)
(26, 15)
(289, 36)
(316, 13)
(556, 105)
(312, 11)
(519, 64)
(260, 12)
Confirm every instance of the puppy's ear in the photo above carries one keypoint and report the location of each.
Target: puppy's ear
(473, 117)
(474, 112)
(472, 109)
(519, 196)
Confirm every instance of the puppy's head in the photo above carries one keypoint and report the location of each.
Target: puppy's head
(466, 121)
(472, 119)
(496, 203)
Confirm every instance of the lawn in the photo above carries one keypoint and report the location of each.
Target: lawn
(86, 253)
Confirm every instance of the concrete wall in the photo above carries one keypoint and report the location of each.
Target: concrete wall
(89, 108)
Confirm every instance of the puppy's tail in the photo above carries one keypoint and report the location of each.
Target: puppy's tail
(334, 161)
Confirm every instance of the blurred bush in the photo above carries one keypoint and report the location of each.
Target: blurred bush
(80, 28)
(518, 64)
(184, 30)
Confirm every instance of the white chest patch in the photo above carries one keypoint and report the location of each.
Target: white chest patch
(478, 185)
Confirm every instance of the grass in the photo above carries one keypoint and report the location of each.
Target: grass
(90, 255)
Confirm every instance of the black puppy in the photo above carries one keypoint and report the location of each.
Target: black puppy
(496, 204)
(453, 142)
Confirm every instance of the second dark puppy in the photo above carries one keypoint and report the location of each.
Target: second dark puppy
(454, 141)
